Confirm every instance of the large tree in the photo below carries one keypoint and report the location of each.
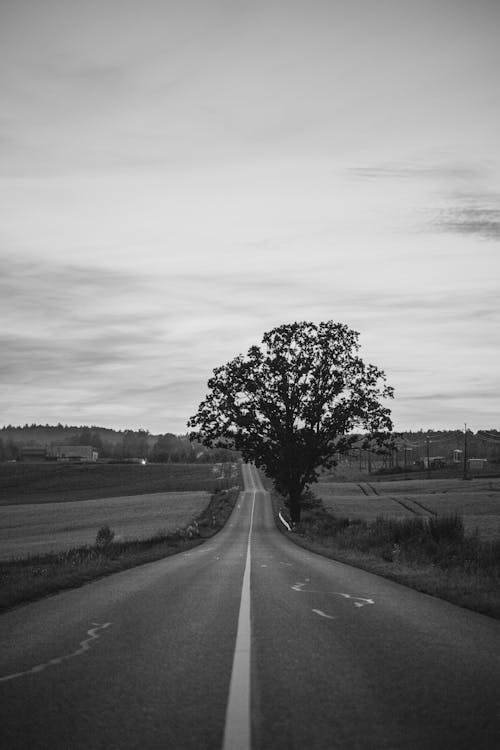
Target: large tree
(292, 403)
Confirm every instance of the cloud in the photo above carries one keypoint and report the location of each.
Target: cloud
(464, 205)
(456, 395)
(115, 347)
(471, 214)
(26, 358)
(417, 170)
(70, 320)
(36, 278)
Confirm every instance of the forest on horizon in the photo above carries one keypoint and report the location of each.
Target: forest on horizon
(168, 447)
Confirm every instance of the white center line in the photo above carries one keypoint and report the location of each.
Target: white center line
(237, 727)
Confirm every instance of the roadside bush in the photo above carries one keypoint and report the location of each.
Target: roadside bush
(438, 541)
(189, 532)
(446, 528)
(104, 537)
(329, 525)
(489, 556)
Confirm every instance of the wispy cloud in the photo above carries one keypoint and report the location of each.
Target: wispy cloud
(69, 320)
(476, 213)
(418, 170)
(461, 395)
(462, 205)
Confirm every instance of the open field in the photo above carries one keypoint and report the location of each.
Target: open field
(58, 483)
(29, 578)
(345, 472)
(477, 501)
(33, 529)
(54, 507)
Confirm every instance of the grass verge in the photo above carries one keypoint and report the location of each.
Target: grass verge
(38, 576)
(432, 555)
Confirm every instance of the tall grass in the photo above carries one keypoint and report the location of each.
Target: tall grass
(439, 540)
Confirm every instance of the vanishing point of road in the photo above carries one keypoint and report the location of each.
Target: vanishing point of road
(248, 641)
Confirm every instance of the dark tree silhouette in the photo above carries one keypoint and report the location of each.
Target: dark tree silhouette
(293, 402)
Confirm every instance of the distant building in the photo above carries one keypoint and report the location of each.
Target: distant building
(33, 454)
(434, 462)
(457, 456)
(84, 453)
(477, 463)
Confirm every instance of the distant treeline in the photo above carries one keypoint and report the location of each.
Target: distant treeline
(109, 443)
(120, 444)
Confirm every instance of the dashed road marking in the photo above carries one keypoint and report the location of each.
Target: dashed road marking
(84, 646)
(361, 600)
(323, 614)
(358, 601)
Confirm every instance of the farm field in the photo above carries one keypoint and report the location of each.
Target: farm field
(54, 507)
(59, 483)
(31, 529)
(477, 501)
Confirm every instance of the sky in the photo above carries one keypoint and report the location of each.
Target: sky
(177, 178)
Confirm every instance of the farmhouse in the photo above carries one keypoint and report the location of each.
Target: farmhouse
(85, 453)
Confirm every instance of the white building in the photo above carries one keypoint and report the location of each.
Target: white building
(477, 463)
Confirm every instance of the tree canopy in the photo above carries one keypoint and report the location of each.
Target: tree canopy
(293, 402)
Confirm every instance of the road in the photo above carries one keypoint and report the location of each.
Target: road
(248, 641)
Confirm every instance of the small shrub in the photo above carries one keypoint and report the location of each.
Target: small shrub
(104, 537)
(446, 528)
(159, 536)
(192, 531)
(387, 552)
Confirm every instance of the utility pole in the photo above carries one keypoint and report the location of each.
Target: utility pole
(428, 443)
(465, 451)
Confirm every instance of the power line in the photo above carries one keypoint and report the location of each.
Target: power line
(490, 440)
(481, 433)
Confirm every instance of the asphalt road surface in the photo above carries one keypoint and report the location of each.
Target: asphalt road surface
(248, 641)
